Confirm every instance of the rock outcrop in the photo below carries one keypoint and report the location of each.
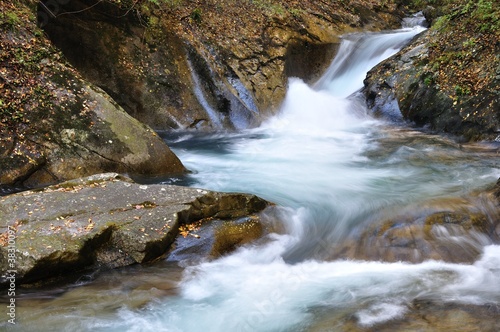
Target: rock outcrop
(448, 78)
(107, 221)
(54, 125)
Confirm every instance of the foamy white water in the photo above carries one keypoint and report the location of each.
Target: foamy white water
(255, 290)
(358, 54)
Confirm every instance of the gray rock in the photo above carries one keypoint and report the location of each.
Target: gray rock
(410, 84)
(103, 221)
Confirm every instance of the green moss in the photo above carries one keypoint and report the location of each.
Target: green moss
(296, 12)
(467, 220)
(168, 3)
(196, 15)
(479, 221)
(272, 9)
(462, 90)
(428, 79)
(483, 15)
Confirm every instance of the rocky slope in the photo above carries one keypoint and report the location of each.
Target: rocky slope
(108, 221)
(211, 65)
(54, 125)
(448, 78)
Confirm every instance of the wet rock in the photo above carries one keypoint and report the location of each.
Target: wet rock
(225, 69)
(215, 237)
(421, 315)
(431, 316)
(228, 236)
(105, 221)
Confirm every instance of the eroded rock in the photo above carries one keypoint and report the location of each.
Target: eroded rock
(55, 125)
(445, 79)
(205, 65)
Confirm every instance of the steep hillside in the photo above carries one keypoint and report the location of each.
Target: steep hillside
(217, 64)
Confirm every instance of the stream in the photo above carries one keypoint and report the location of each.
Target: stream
(332, 168)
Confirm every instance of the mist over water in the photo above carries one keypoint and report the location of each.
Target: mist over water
(332, 168)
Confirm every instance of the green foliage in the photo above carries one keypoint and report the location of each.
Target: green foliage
(196, 15)
(469, 43)
(169, 3)
(441, 22)
(428, 81)
(296, 12)
(484, 14)
(462, 90)
(9, 19)
(269, 7)
(488, 14)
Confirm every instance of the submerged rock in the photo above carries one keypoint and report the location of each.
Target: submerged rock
(419, 315)
(451, 230)
(104, 221)
(215, 238)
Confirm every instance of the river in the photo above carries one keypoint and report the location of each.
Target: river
(331, 167)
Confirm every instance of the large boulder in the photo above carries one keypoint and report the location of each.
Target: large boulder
(105, 221)
(54, 125)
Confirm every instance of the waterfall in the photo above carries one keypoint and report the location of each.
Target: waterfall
(359, 53)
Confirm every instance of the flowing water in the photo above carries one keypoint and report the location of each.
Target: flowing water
(331, 167)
